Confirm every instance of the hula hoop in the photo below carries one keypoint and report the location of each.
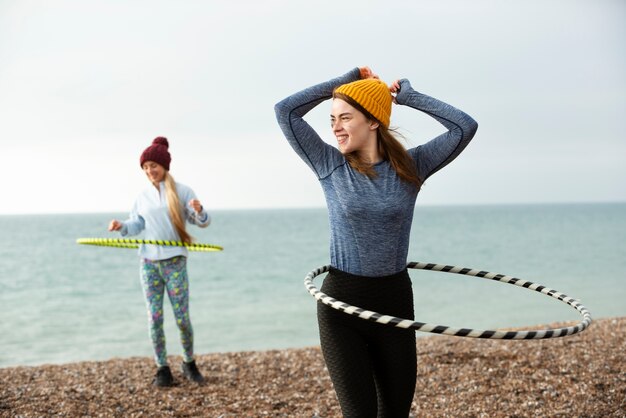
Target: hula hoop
(457, 332)
(134, 243)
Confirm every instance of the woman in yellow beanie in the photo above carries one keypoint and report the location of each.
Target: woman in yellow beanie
(371, 183)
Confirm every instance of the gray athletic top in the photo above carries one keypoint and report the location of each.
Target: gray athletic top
(370, 218)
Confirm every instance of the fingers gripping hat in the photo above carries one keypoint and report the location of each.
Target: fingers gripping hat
(373, 95)
(157, 152)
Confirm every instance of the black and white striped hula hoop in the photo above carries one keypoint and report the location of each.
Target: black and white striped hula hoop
(458, 332)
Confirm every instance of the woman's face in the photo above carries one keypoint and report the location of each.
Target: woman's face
(154, 171)
(354, 132)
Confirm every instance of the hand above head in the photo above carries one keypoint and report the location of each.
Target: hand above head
(196, 205)
(366, 72)
(115, 225)
(398, 86)
(395, 86)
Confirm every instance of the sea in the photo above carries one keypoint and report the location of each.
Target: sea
(62, 302)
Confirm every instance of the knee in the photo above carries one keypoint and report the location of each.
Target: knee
(156, 317)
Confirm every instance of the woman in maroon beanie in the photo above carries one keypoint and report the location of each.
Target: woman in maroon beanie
(160, 212)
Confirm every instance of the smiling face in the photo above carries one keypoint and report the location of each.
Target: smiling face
(154, 171)
(354, 132)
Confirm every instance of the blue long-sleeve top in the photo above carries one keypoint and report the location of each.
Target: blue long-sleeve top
(370, 218)
(150, 215)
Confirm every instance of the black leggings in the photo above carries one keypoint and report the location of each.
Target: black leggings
(372, 366)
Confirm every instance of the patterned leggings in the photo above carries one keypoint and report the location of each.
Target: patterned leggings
(170, 274)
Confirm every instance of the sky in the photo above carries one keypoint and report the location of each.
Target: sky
(86, 85)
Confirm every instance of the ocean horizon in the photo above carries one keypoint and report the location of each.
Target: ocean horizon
(63, 302)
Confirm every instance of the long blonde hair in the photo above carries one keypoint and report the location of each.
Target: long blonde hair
(176, 208)
(389, 148)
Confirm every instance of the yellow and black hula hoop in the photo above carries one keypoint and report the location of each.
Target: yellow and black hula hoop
(134, 243)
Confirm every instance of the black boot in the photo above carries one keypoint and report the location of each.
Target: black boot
(191, 372)
(163, 377)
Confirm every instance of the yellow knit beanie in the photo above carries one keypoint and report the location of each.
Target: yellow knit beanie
(373, 95)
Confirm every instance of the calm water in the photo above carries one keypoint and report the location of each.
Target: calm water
(62, 302)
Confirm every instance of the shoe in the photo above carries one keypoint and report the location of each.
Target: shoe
(191, 372)
(163, 377)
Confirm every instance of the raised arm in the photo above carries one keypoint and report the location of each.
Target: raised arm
(441, 150)
(194, 211)
(196, 214)
(133, 225)
(321, 157)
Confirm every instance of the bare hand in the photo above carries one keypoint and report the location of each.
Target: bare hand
(394, 88)
(196, 205)
(115, 225)
(366, 72)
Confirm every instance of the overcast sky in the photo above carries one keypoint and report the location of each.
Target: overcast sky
(86, 85)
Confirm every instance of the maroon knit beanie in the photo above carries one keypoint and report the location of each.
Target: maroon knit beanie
(157, 152)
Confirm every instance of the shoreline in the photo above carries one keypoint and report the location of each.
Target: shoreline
(580, 375)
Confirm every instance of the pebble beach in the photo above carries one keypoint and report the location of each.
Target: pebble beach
(577, 376)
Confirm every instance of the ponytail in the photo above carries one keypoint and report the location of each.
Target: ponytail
(175, 209)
